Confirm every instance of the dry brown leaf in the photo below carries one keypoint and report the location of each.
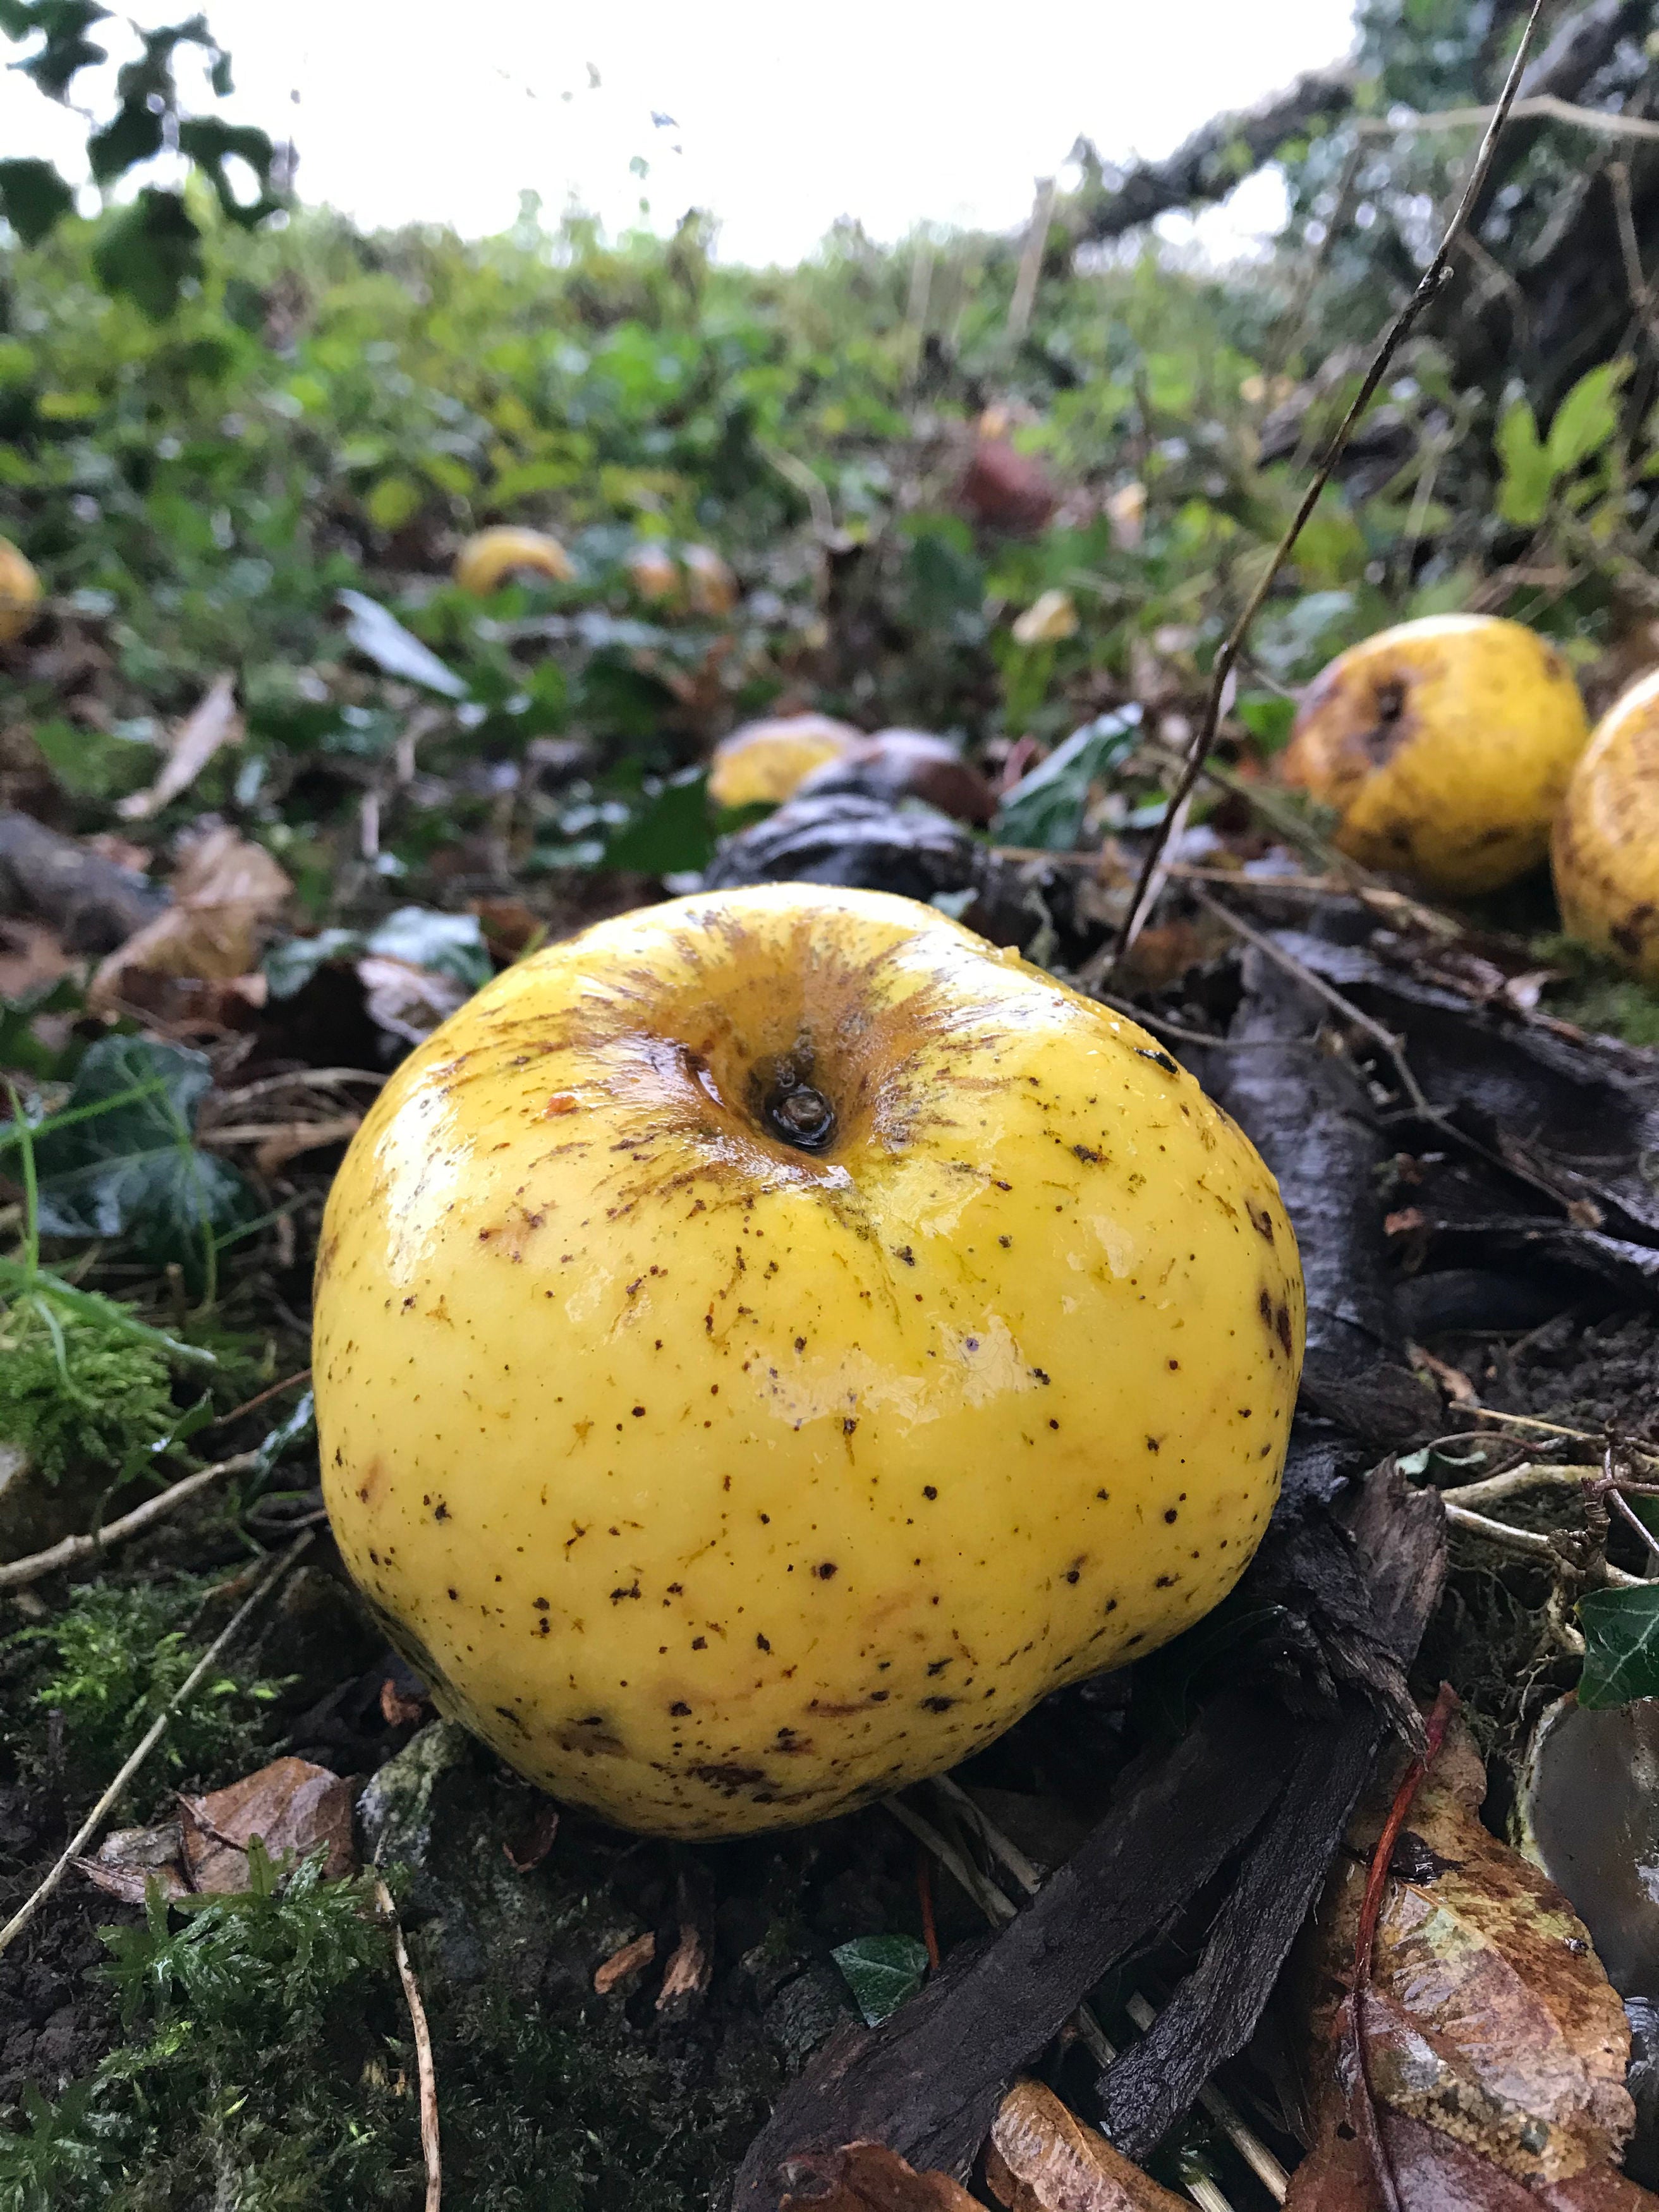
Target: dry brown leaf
(1043, 2158)
(1433, 2173)
(525, 1857)
(867, 2177)
(130, 1859)
(1495, 2046)
(292, 1807)
(621, 1964)
(225, 891)
(212, 723)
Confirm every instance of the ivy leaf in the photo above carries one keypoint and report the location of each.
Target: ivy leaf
(448, 944)
(33, 197)
(131, 1169)
(133, 134)
(209, 143)
(380, 637)
(148, 250)
(881, 1972)
(1044, 810)
(67, 48)
(670, 835)
(1621, 1645)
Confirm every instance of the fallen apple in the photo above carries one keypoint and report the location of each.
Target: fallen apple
(765, 1343)
(762, 764)
(20, 592)
(1605, 852)
(485, 559)
(1445, 746)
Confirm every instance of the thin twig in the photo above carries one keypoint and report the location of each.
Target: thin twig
(1527, 1543)
(1333, 998)
(252, 1405)
(1212, 1041)
(302, 1078)
(1541, 107)
(1641, 290)
(985, 1893)
(425, 2064)
(1515, 1481)
(72, 1550)
(146, 1743)
(1355, 2024)
(1225, 661)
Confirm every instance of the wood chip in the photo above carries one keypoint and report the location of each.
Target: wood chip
(621, 1964)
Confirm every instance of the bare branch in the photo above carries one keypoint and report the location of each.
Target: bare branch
(1226, 659)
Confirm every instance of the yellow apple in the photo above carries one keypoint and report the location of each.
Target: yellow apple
(1445, 745)
(765, 1343)
(485, 559)
(1606, 848)
(20, 592)
(764, 762)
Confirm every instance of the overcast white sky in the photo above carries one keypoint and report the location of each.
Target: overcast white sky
(783, 117)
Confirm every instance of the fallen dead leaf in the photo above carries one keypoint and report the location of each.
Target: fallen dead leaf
(1495, 2046)
(407, 1002)
(1452, 1380)
(225, 891)
(621, 1964)
(293, 1807)
(1043, 2158)
(867, 2177)
(212, 723)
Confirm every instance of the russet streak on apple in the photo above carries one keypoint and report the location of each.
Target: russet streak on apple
(721, 1482)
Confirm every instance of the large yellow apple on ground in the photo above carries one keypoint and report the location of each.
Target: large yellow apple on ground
(1606, 848)
(765, 1343)
(1445, 745)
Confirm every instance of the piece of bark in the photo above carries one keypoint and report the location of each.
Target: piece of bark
(1307, 1115)
(1400, 1533)
(928, 2082)
(93, 904)
(843, 837)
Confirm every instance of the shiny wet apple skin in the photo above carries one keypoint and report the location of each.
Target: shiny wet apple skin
(722, 1484)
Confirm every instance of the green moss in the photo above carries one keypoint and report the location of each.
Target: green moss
(108, 1663)
(73, 1394)
(1598, 995)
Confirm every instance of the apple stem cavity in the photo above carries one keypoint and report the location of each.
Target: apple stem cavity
(798, 1113)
